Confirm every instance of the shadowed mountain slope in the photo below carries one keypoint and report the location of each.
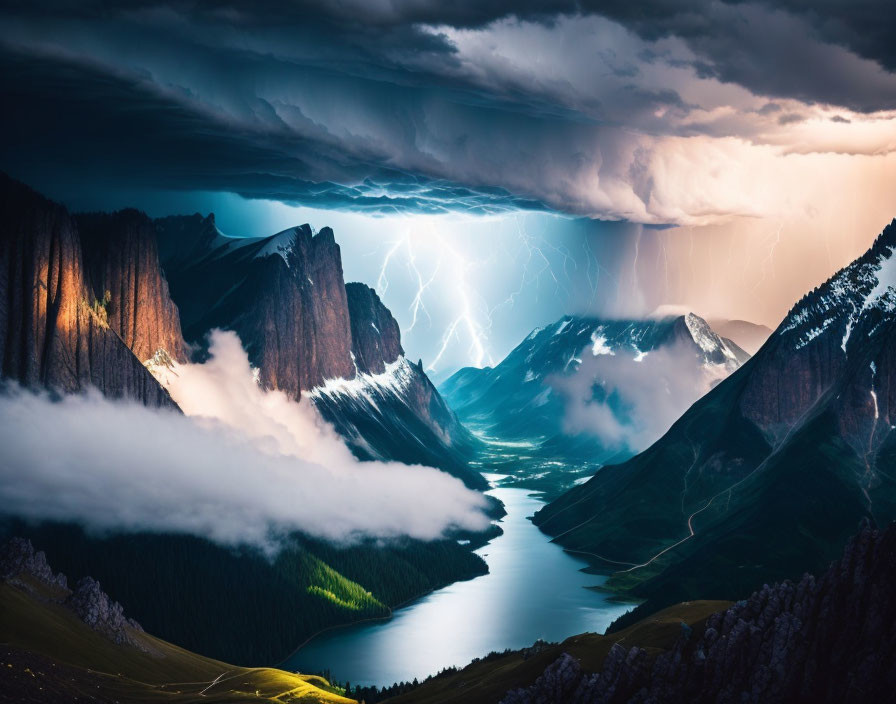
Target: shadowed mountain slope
(765, 476)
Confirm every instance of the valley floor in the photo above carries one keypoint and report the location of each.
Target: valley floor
(531, 463)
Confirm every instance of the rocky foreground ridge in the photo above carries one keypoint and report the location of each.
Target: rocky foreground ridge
(831, 639)
(24, 568)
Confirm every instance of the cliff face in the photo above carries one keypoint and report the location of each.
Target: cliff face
(284, 295)
(376, 339)
(310, 334)
(833, 342)
(122, 259)
(299, 327)
(53, 332)
(820, 640)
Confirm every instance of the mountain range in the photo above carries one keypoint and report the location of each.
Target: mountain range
(532, 394)
(99, 300)
(767, 475)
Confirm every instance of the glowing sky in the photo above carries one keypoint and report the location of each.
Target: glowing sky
(518, 160)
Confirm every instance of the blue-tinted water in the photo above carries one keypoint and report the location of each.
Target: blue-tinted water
(533, 590)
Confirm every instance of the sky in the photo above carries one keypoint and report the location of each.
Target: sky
(488, 166)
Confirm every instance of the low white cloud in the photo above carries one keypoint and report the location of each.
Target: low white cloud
(244, 466)
(628, 403)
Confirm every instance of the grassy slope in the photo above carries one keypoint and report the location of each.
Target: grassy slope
(167, 673)
(486, 681)
(630, 511)
(237, 605)
(744, 546)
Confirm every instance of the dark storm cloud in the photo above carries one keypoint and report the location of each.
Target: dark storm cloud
(71, 116)
(417, 105)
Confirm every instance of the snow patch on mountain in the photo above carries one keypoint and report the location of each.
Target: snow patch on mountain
(708, 341)
(867, 284)
(396, 379)
(280, 244)
(882, 295)
(599, 343)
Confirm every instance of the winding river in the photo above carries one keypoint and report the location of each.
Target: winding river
(533, 590)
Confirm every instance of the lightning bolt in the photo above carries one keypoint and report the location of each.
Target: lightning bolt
(768, 263)
(382, 281)
(538, 264)
(466, 318)
(417, 304)
(431, 258)
(466, 321)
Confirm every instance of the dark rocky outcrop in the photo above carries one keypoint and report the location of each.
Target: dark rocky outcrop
(22, 567)
(17, 557)
(831, 639)
(376, 338)
(54, 333)
(94, 607)
(122, 259)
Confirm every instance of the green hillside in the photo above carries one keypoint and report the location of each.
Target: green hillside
(48, 654)
(239, 605)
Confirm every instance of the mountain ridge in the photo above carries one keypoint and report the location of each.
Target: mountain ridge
(767, 473)
(545, 391)
(309, 333)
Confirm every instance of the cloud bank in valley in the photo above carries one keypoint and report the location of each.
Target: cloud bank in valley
(244, 466)
(629, 404)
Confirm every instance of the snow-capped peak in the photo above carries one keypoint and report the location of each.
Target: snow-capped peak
(395, 379)
(840, 304)
(713, 346)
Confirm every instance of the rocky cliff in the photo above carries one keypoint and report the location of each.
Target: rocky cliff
(26, 569)
(54, 332)
(310, 334)
(376, 338)
(284, 295)
(833, 341)
(122, 260)
(818, 640)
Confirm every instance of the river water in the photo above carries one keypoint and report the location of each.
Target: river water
(533, 590)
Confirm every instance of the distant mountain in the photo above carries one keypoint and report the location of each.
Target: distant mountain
(522, 397)
(749, 336)
(767, 475)
(69, 318)
(307, 332)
